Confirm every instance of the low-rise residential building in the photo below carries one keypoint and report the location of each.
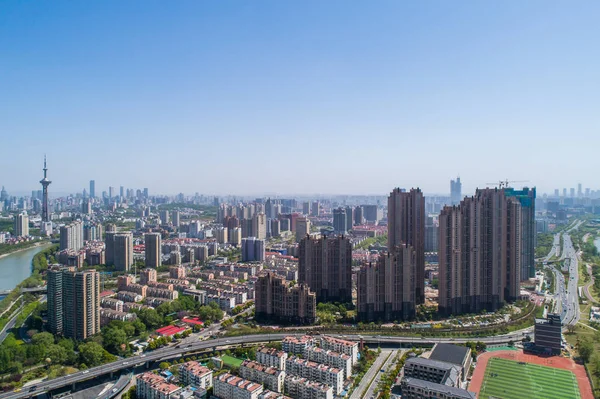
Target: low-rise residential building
(138, 289)
(271, 377)
(323, 373)
(127, 296)
(335, 359)
(112, 303)
(350, 348)
(195, 374)
(303, 388)
(108, 315)
(155, 302)
(271, 357)
(227, 386)
(266, 394)
(155, 292)
(297, 345)
(152, 386)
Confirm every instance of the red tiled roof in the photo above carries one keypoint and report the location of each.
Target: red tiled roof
(170, 330)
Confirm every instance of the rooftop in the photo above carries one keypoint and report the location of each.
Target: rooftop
(456, 392)
(450, 353)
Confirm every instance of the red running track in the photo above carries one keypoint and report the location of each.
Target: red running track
(558, 362)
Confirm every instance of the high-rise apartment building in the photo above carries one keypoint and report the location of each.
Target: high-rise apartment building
(480, 253)
(371, 213)
(122, 250)
(358, 216)
(325, 264)
(164, 216)
(275, 228)
(431, 234)
(175, 216)
(302, 228)
(74, 303)
(315, 209)
(349, 218)
(306, 208)
(455, 191)
(21, 224)
(340, 221)
(526, 198)
(71, 236)
(253, 250)
(386, 289)
(259, 226)
(406, 225)
(152, 249)
(276, 300)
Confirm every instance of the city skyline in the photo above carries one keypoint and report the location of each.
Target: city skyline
(395, 85)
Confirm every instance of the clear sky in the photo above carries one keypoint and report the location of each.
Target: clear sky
(285, 97)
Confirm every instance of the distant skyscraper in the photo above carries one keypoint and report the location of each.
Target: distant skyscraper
(315, 209)
(339, 221)
(306, 208)
(386, 290)
(455, 191)
(556, 193)
(86, 206)
(302, 228)
(349, 218)
(164, 216)
(325, 264)
(259, 226)
(564, 192)
(358, 216)
(153, 249)
(431, 234)
(111, 192)
(480, 253)
(275, 228)
(371, 213)
(45, 183)
(176, 218)
(406, 225)
(253, 250)
(579, 191)
(572, 193)
(92, 188)
(21, 225)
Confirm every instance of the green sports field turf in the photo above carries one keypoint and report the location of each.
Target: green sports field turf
(508, 379)
(232, 361)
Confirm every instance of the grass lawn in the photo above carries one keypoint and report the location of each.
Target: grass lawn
(232, 361)
(508, 379)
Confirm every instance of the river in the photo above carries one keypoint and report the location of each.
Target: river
(16, 267)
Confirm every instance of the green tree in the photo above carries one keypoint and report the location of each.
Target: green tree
(57, 354)
(585, 349)
(114, 339)
(138, 326)
(91, 354)
(164, 365)
(44, 338)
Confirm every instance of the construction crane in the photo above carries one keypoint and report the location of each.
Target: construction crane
(505, 183)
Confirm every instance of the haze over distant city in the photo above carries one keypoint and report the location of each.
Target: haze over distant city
(308, 97)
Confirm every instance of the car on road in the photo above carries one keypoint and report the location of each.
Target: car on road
(143, 355)
(125, 363)
(228, 341)
(85, 371)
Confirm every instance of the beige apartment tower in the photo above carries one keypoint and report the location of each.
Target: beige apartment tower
(406, 225)
(81, 304)
(386, 288)
(325, 264)
(122, 250)
(276, 300)
(480, 253)
(302, 228)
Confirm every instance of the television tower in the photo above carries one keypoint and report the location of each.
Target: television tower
(45, 183)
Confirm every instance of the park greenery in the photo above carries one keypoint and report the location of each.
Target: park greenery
(9, 248)
(544, 244)
(368, 242)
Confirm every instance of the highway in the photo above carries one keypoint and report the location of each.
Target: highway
(375, 367)
(10, 324)
(173, 351)
(371, 392)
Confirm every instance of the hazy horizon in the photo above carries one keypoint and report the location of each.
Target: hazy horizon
(334, 97)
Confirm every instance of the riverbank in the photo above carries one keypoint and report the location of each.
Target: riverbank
(24, 248)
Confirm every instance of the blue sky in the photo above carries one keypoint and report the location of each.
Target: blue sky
(287, 97)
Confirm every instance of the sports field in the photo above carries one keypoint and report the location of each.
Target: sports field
(232, 361)
(508, 379)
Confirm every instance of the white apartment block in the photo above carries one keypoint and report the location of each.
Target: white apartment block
(152, 386)
(227, 386)
(196, 375)
(270, 377)
(271, 357)
(297, 345)
(331, 376)
(341, 346)
(302, 388)
(272, 395)
(331, 358)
